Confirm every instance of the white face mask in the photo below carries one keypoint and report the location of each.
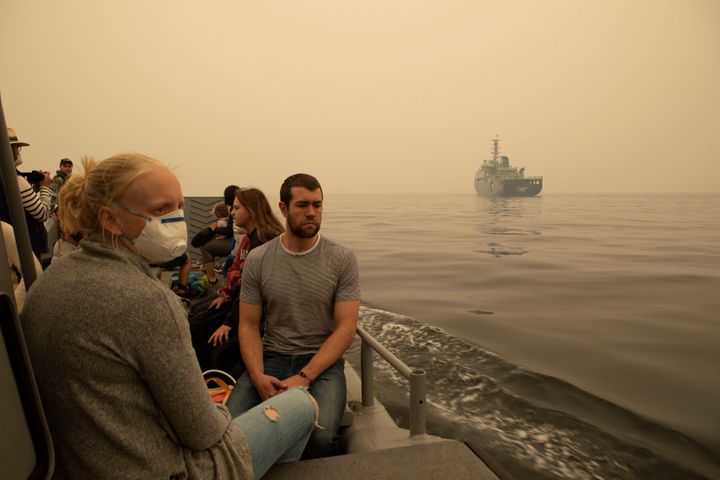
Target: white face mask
(163, 238)
(18, 160)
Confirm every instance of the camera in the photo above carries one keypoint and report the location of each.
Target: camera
(33, 177)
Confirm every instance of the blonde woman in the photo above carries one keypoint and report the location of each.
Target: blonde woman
(111, 349)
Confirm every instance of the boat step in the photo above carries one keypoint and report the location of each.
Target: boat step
(441, 460)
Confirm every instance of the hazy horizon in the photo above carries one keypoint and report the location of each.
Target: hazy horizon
(374, 97)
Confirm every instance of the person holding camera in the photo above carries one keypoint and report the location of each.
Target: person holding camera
(36, 197)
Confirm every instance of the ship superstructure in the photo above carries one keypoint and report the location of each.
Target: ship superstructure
(496, 177)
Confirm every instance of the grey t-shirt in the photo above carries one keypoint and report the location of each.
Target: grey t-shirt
(298, 292)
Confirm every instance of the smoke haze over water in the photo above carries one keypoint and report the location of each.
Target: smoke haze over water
(592, 352)
(403, 96)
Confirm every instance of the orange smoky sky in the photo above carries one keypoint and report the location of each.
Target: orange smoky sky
(373, 96)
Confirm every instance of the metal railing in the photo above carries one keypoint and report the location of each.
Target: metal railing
(416, 377)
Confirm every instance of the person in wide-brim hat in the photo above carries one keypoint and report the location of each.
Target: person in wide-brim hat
(14, 139)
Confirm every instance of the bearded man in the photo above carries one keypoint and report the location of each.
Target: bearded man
(306, 288)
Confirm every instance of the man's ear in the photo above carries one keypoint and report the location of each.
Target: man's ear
(283, 209)
(109, 220)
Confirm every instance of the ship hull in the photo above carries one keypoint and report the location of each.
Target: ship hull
(508, 188)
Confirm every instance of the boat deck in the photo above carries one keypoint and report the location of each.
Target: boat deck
(442, 460)
(378, 449)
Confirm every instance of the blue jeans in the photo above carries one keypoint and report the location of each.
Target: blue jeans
(279, 441)
(328, 389)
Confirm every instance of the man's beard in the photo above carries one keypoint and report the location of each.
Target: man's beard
(301, 232)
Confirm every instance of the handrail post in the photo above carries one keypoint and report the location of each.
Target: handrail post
(418, 409)
(417, 378)
(367, 374)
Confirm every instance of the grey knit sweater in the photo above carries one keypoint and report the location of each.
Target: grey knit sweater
(124, 396)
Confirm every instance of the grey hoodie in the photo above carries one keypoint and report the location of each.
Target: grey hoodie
(123, 392)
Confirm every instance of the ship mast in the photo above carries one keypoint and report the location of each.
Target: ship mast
(495, 148)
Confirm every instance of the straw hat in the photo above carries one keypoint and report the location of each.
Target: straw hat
(14, 139)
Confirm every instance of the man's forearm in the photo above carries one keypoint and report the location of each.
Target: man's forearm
(330, 352)
(346, 318)
(251, 349)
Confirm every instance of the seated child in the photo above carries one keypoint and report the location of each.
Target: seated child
(221, 212)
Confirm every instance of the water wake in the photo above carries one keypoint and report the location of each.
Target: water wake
(536, 426)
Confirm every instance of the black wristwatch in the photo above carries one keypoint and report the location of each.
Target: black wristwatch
(302, 374)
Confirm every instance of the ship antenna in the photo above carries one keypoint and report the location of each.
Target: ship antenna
(495, 148)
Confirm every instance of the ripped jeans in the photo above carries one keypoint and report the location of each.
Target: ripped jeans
(278, 429)
(328, 389)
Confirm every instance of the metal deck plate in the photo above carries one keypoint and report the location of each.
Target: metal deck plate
(440, 460)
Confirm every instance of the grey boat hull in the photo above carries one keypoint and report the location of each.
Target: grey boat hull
(521, 187)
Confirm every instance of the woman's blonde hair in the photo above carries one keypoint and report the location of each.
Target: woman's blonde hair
(101, 183)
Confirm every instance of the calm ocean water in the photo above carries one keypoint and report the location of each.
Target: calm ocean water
(574, 336)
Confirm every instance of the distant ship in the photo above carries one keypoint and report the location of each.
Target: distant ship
(497, 178)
